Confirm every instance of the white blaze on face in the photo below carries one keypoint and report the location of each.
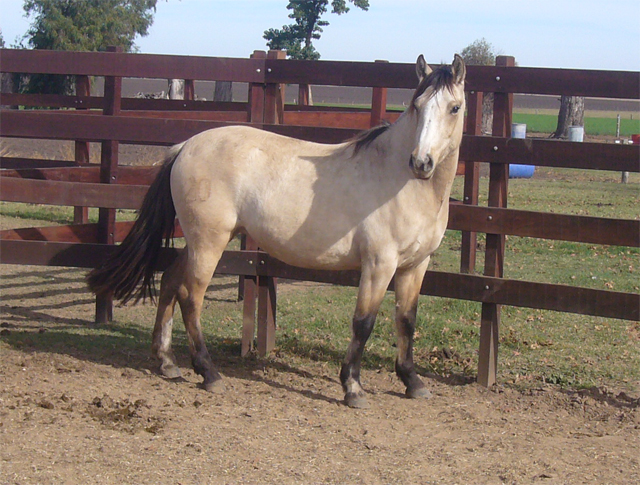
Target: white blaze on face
(440, 117)
(430, 126)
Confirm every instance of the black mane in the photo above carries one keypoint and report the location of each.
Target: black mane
(439, 79)
(365, 138)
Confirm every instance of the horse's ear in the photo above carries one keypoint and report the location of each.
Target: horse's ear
(422, 68)
(458, 69)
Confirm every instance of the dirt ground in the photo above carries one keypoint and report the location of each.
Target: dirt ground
(68, 416)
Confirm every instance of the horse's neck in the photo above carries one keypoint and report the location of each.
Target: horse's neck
(401, 136)
(443, 177)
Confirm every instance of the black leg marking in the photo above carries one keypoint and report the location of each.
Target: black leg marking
(350, 372)
(405, 368)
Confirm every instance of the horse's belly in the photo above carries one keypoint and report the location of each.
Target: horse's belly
(303, 226)
(307, 249)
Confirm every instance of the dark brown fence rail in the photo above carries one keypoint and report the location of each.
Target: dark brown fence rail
(118, 64)
(111, 119)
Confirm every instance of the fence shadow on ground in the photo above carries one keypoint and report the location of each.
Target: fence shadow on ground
(30, 324)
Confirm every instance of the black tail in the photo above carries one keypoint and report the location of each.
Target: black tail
(129, 272)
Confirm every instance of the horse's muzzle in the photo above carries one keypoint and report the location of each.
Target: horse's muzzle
(422, 168)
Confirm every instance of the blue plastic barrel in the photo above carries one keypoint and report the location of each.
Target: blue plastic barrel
(519, 130)
(517, 171)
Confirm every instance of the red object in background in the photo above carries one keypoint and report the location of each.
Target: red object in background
(635, 139)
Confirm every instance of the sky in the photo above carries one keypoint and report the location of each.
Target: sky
(582, 34)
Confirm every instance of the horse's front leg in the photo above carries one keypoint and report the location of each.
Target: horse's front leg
(407, 284)
(374, 282)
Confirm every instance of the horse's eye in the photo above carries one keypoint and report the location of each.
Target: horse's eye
(455, 109)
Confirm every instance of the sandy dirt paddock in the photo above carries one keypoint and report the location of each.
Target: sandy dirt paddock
(68, 416)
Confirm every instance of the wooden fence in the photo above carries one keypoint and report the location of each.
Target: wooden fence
(112, 120)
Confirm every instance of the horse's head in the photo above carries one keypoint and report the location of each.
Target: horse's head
(439, 106)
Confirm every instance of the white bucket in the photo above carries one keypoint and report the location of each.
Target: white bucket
(518, 130)
(576, 133)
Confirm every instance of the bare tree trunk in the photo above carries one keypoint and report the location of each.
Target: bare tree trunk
(7, 86)
(487, 114)
(176, 88)
(223, 91)
(304, 95)
(571, 114)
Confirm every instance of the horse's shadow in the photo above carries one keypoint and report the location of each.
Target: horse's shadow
(29, 325)
(28, 322)
(256, 369)
(127, 347)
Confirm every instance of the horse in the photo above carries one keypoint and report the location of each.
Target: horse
(378, 203)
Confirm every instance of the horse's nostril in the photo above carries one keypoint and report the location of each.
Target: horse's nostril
(428, 164)
(424, 165)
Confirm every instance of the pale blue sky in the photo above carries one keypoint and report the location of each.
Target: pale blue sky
(588, 34)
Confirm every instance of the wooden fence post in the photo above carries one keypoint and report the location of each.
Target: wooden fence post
(304, 98)
(108, 175)
(248, 285)
(83, 88)
(471, 183)
(189, 90)
(267, 285)
(249, 295)
(274, 95)
(266, 314)
(494, 255)
(378, 103)
(257, 95)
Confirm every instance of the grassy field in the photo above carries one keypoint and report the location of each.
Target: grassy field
(536, 346)
(547, 123)
(596, 123)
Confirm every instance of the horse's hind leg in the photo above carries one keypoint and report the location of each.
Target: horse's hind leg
(201, 262)
(408, 283)
(170, 285)
(373, 285)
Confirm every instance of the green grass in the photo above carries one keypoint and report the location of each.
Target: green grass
(547, 123)
(54, 214)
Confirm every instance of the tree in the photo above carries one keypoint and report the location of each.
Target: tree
(479, 53)
(223, 91)
(6, 79)
(571, 113)
(482, 53)
(297, 38)
(87, 25)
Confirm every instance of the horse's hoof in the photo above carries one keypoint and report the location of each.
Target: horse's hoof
(356, 401)
(418, 393)
(216, 387)
(171, 371)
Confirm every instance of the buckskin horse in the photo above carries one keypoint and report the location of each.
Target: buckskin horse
(378, 203)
